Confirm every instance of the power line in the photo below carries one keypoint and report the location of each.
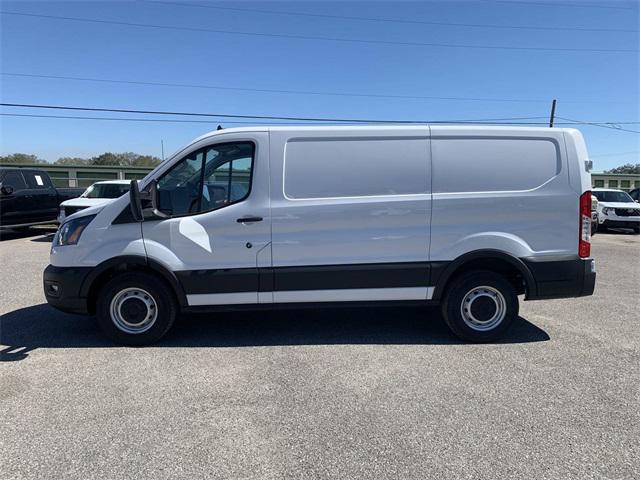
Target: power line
(610, 125)
(123, 119)
(255, 117)
(617, 154)
(388, 20)
(213, 121)
(295, 92)
(503, 121)
(559, 4)
(319, 38)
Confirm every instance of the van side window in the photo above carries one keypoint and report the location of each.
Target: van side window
(14, 180)
(207, 180)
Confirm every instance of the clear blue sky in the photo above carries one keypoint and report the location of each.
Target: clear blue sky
(591, 86)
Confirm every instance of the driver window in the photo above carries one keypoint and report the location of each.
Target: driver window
(179, 189)
(207, 179)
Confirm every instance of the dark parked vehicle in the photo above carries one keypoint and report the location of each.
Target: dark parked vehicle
(28, 197)
(635, 194)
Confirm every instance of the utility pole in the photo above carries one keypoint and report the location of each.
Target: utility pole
(162, 148)
(553, 113)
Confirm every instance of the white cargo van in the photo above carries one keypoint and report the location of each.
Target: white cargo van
(468, 217)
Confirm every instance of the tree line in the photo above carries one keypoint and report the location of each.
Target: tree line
(626, 168)
(125, 159)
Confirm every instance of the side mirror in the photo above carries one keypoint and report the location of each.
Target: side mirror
(6, 189)
(134, 202)
(153, 193)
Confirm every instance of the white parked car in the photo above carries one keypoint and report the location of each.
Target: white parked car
(97, 194)
(265, 217)
(616, 209)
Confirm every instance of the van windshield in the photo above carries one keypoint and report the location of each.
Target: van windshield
(613, 197)
(106, 190)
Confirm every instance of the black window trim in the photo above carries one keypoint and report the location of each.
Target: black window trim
(204, 159)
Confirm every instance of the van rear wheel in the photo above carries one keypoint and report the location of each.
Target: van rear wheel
(135, 309)
(480, 306)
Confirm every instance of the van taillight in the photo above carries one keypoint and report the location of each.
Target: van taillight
(584, 242)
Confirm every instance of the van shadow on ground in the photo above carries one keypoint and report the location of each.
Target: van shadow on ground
(41, 326)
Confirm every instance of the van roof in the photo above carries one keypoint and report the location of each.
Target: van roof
(385, 127)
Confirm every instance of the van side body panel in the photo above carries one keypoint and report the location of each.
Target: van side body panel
(510, 193)
(514, 191)
(344, 200)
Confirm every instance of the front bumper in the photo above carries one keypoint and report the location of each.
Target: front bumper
(620, 223)
(562, 278)
(63, 286)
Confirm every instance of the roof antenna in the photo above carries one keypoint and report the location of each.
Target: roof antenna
(219, 127)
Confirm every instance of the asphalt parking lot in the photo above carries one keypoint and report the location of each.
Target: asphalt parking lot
(384, 393)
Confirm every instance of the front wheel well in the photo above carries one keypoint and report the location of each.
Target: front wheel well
(118, 269)
(512, 273)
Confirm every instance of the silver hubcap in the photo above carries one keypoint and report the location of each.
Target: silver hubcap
(483, 308)
(133, 310)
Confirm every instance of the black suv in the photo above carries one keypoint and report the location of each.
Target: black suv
(28, 197)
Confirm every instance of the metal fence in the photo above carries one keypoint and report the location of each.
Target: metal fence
(622, 181)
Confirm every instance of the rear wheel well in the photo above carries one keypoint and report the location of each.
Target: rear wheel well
(119, 269)
(499, 266)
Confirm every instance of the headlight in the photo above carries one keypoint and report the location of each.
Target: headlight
(70, 231)
(606, 210)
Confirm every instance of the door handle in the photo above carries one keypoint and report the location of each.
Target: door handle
(249, 219)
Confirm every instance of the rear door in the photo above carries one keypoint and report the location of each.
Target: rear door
(14, 205)
(42, 195)
(351, 213)
(218, 233)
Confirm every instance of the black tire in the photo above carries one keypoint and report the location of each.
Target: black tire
(150, 318)
(594, 228)
(500, 296)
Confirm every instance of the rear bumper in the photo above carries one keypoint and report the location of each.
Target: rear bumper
(63, 286)
(562, 278)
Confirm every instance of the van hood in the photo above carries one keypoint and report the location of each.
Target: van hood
(88, 211)
(85, 202)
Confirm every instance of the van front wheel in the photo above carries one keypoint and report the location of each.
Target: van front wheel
(480, 306)
(135, 309)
